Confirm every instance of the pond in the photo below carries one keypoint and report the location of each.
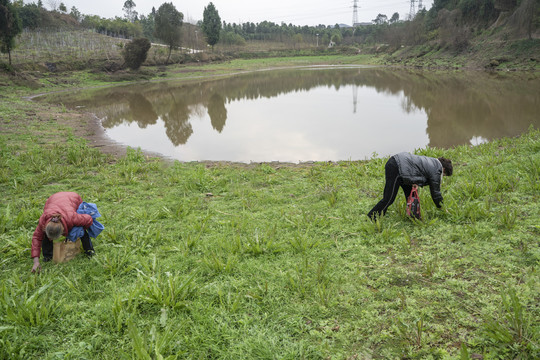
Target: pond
(313, 113)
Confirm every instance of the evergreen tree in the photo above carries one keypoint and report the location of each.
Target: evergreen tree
(75, 13)
(211, 25)
(148, 26)
(31, 16)
(135, 52)
(168, 22)
(380, 19)
(10, 27)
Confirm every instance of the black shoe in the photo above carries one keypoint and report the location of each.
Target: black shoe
(89, 253)
(47, 258)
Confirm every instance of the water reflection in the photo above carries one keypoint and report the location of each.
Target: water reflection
(217, 112)
(315, 114)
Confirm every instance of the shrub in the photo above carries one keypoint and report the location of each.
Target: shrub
(135, 52)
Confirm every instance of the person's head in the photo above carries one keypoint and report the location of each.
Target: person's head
(54, 228)
(448, 169)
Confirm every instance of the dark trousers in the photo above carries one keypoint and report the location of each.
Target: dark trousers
(47, 246)
(393, 182)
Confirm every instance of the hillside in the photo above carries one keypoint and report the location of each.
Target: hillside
(492, 34)
(483, 52)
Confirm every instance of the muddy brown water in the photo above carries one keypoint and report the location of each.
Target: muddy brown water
(313, 113)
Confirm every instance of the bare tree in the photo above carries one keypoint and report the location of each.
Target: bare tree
(129, 10)
(53, 4)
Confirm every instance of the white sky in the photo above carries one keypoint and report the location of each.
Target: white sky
(297, 12)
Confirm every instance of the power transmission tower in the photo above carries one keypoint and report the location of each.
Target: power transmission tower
(412, 10)
(420, 6)
(355, 13)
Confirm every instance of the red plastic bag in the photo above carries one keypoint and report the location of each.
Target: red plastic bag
(413, 204)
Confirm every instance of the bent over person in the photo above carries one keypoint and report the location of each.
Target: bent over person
(405, 170)
(58, 218)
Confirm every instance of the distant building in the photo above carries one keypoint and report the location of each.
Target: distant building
(345, 26)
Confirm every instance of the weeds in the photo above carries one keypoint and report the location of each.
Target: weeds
(122, 309)
(117, 262)
(230, 301)
(512, 334)
(220, 263)
(302, 242)
(430, 267)
(155, 344)
(412, 333)
(23, 305)
(508, 218)
(299, 282)
(531, 170)
(330, 194)
(168, 290)
(259, 244)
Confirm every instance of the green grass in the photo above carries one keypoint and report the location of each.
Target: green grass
(267, 262)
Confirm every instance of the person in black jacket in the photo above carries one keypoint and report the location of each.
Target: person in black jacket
(404, 170)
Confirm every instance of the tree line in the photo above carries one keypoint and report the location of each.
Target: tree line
(449, 23)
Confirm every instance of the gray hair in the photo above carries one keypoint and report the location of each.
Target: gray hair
(54, 228)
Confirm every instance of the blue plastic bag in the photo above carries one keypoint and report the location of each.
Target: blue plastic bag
(94, 230)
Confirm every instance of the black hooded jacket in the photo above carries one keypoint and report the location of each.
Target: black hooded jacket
(421, 170)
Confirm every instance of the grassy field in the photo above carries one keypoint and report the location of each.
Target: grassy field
(264, 261)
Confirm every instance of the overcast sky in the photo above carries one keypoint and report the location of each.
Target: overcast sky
(297, 12)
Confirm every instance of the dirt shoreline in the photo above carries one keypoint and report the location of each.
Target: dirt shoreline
(97, 137)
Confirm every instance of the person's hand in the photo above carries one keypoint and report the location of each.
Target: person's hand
(37, 265)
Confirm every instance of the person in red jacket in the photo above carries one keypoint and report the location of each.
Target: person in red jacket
(58, 218)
